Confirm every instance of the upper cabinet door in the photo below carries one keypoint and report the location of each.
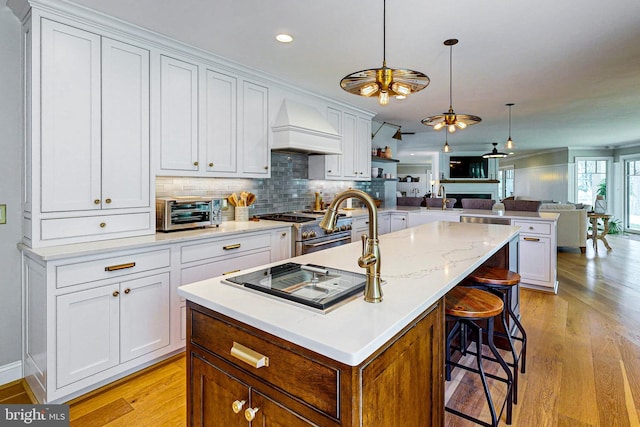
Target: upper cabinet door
(70, 112)
(220, 122)
(179, 115)
(125, 125)
(349, 146)
(334, 163)
(255, 130)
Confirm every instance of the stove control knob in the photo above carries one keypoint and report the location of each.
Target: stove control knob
(305, 235)
(312, 234)
(343, 228)
(348, 226)
(329, 231)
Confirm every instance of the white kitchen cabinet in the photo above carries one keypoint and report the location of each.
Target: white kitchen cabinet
(397, 221)
(425, 216)
(255, 154)
(384, 223)
(99, 328)
(360, 225)
(178, 115)
(91, 318)
(87, 136)
(219, 121)
(355, 161)
(537, 254)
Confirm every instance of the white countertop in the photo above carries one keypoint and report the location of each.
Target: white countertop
(80, 249)
(419, 264)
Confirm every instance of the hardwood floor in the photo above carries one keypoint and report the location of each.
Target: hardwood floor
(583, 365)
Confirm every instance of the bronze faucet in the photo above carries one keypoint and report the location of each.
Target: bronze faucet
(442, 193)
(370, 258)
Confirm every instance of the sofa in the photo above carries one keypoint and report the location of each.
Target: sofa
(572, 224)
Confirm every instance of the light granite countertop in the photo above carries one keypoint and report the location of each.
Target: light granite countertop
(419, 264)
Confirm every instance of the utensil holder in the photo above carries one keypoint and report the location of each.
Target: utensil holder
(242, 213)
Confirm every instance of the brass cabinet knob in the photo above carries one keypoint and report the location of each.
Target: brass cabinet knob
(196, 163)
(103, 224)
(96, 202)
(284, 234)
(250, 413)
(115, 293)
(210, 165)
(126, 291)
(266, 168)
(237, 406)
(329, 171)
(108, 201)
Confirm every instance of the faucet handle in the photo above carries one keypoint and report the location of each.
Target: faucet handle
(364, 239)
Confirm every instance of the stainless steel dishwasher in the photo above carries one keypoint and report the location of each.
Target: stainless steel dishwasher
(485, 220)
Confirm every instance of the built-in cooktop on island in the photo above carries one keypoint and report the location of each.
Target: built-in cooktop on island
(317, 287)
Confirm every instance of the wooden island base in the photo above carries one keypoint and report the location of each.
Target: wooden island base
(400, 384)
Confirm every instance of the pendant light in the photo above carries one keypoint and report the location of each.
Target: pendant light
(494, 154)
(509, 145)
(450, 119)
(446, 148)
(385, 82)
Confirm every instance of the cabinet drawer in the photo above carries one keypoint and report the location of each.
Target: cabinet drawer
(106, 268)
(94, 225)
(226, 266)
(533, 227)
(222, 247)
(310, 381)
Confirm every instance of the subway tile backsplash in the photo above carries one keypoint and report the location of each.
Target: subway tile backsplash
(288, 189)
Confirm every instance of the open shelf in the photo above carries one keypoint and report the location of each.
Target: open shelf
(383, 160)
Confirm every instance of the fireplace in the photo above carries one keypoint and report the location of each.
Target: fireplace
(460, 196)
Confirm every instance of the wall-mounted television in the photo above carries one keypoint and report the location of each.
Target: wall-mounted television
(468, 167)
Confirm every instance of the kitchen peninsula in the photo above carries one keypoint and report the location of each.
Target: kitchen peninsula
(359, 364)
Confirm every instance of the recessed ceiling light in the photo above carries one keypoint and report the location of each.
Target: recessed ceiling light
(284, 38)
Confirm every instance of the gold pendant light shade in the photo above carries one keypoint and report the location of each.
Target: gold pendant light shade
(385, 82)
(450, 119)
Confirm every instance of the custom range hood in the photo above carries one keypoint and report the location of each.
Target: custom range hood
(302, 128)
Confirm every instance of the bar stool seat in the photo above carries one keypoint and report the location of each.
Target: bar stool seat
(465, 306)
(500, 282)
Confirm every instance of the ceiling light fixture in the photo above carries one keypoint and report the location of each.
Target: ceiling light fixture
(509, 145)
(494, 154)
(385, 82)
(450, 119)
(284, 38)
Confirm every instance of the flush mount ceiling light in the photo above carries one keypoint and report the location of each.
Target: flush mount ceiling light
(509, 145)
(494, 154)
(284, 38)
(384, 82)
(450, 119)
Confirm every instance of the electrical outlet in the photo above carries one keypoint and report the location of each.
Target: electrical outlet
(3, 214)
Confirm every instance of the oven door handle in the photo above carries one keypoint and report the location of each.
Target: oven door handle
(327, 242)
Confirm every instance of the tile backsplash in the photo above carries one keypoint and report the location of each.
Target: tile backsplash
(288, 189)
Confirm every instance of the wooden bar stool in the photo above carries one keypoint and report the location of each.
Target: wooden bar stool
(501, 282)
(465, 306)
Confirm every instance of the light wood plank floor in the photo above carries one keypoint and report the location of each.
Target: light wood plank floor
(583, 366)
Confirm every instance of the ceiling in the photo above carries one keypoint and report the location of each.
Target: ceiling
(572, 69)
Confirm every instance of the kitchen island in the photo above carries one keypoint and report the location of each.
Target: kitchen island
(360, 364)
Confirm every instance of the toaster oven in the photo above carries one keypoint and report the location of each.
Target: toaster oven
(182, 213)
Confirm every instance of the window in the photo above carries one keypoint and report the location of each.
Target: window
(632, 195)
(505, 186)
(591, 180)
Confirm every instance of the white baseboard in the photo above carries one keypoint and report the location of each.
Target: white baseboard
(10, 372)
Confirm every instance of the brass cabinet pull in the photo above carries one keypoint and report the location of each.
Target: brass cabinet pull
(248, 356)
(231, 272)
(210, 165)
(266, 168)
(108, 200)
(96, 202)
(329, 171)
(250, 413)
(284, 234)
(120, 266)
(531, 239)
(115, 293)
(237, 406)
(126, 291)
(103, 224)
(228, 247)
(196, 163)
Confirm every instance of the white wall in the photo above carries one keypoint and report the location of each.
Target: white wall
(542, 182)
(10, 160)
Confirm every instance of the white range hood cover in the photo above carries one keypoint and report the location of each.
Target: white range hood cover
(299, 127)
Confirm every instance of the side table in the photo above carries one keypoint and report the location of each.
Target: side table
(595, 235)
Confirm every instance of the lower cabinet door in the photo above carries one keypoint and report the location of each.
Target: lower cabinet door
(212, 396)
(269, 413)
(87, 333)
(535, 260)
(144, 315)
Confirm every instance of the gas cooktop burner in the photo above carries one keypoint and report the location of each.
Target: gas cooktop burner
(288, 217)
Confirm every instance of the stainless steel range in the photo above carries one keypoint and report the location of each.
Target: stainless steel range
(308, 235)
